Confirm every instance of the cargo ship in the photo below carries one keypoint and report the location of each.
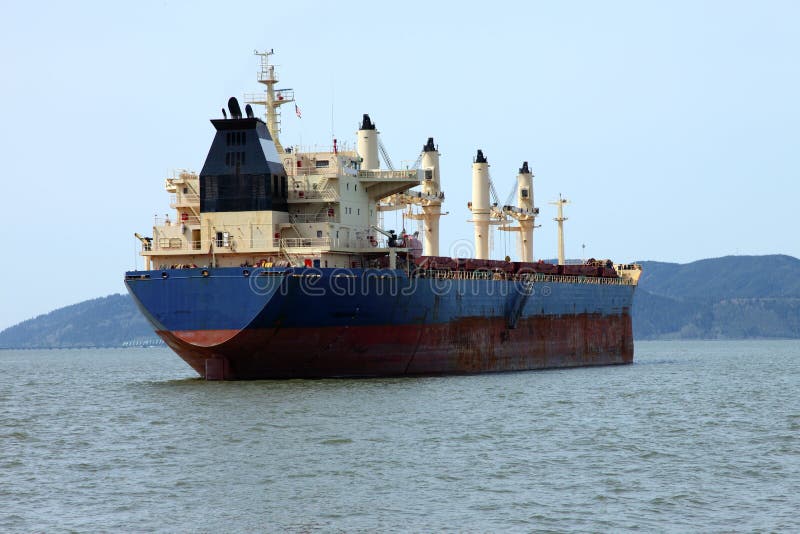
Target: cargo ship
(277, 264)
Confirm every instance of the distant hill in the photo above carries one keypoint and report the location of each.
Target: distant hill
(111, 321)
(727, 277)
(734, 297)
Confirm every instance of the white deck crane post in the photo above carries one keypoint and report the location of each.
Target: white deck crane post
(560, 220)
(432, 207)
(524, 212)
(480, 206)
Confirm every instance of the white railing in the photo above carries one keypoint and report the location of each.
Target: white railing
(172, 244)
(302, 242)
(324, 150)
(410, 174)
(301, 195)
(184, 199)
(322, 217)
(234, 244)
(169, 221)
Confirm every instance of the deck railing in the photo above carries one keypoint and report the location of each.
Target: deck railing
(184, 199)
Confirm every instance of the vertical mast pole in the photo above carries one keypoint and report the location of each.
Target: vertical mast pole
(560, 220)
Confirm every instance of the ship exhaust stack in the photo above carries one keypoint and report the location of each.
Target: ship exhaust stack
(481, 209)
(431, 187)
(233, 107)
(560, 220)
(368, 145)
(525, 202)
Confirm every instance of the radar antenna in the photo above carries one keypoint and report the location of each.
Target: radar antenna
(272, 98)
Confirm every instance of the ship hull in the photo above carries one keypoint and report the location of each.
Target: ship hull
(315, 323)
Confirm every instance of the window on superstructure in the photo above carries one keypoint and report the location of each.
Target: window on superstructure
(223, 239)
(322, 163)
(244, 138)
(275, 185)
(355, 187)
(284, 188)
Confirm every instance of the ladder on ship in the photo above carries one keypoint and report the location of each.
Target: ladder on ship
(385, 155)
(294, 260)
(518, 304)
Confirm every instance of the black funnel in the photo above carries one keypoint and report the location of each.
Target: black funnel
(480, 158)
(233, 107)
(524, 169)
(429, 147)
(366, 123)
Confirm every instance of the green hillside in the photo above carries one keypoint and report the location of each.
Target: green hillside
(111, 321)
(775, 276)
(733, 297)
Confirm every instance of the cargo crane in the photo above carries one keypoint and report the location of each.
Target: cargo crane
(524, 213)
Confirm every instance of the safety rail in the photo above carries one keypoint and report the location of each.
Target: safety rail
(302, 195)
(294, 172)
(182, 178)
(343, 148)
(190, 220)
(302, 242)
(482, 274)
(184, 199)
(322, 217)
(177, 244)
(168, 244)
(171, 244)
(407, 174)
(281, 95)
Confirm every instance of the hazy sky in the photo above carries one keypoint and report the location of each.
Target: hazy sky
(672, 127)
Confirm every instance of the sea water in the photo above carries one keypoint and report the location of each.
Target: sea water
(693, 436)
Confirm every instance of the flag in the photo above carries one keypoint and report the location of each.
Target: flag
(297, 111)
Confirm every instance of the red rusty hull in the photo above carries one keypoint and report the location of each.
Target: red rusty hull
(467, 345)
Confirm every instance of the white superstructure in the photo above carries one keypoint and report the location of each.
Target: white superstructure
(322, 207)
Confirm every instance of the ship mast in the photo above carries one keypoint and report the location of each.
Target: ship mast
(560, 220)
(272, 99)
(524, 212)
(481, 210)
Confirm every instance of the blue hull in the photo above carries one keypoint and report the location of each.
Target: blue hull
(307, 322)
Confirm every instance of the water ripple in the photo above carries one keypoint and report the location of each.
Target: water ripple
(694, 437)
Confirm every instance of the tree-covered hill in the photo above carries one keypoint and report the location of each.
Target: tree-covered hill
(774, 276)
(732, 297)
(111, 321)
